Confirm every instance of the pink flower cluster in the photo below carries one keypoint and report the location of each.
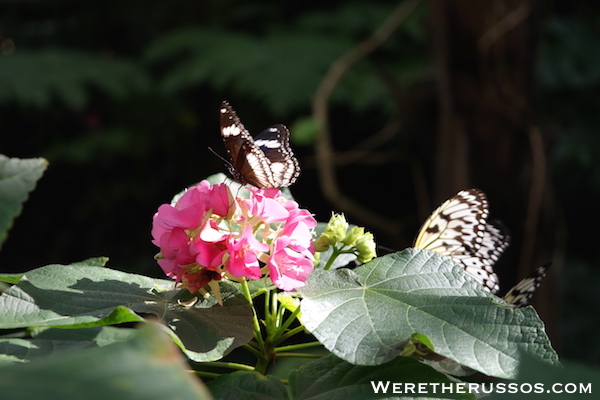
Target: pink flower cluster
(207, 234)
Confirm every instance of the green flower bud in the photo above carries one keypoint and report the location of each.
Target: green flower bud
(353, 235)
(333, 233)
(365, 245)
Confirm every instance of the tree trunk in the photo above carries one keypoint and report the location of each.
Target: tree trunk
(487, 138)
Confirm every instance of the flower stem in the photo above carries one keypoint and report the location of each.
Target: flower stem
(335, 254)
(262, 364)
(289, 334)
(257, 331)
(268, 320)
(303, 355)
(252, 350)
(294, 347)
(230, 365)
(280, 331)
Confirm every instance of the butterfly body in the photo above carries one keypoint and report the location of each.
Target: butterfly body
(266, 161)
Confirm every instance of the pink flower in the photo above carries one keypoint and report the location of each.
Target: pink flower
(243, 255)
(207, 234)
(288, 268)
(209, 246)
(265, 205)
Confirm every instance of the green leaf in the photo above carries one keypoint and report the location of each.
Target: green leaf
(338, 379)
(35, 77)
(573, 381)
(366, 316)
(17, 178)
(146, 367)
(83, 296)
(102, 335)
(248, 385)
(11, 278)
(58, 341)
(304, 131)
(91, 262)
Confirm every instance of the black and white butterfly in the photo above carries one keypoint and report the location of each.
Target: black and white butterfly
(459, 229)
(522, 292)
(266, 161)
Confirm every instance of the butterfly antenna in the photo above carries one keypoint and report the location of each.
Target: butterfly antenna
(387, 250)
(220, 156)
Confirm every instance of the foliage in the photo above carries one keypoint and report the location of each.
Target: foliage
(38, 77)
(145, 365)
(17, 179)
(123, 120)
(281, 68)
(131, 108)
(370, 318)
(421, 292)
(576, 380)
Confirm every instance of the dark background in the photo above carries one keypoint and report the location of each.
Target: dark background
(122, 98)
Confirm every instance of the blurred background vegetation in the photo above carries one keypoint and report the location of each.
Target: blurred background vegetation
(122, 98)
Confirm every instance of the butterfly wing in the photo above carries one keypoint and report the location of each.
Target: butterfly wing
(247, 162)
(457, 226)
(275, 144)
(458, 229)
(522, 292)
(481, 270)
(267, 162)
(495, 240)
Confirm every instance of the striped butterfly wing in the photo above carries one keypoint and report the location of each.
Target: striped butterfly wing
(267, 162)
(458, 228)
(495, 240)
(275, 144)
(522, 292)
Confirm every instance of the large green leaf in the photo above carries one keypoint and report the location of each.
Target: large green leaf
(366, 316)
(332, 378)
(58, 341)
(146, 367)
(248, 385)
(82, 296)
(17, 178)
(546, 382)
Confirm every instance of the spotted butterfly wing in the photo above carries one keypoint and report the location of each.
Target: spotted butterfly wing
(522, 292)
(264, 162)
(455, 226)
(459, 229)
(495, 240)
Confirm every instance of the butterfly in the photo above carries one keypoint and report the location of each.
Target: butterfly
(522, 292)
(266, 161)
(458, 228)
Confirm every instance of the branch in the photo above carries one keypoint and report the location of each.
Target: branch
(323, 145)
